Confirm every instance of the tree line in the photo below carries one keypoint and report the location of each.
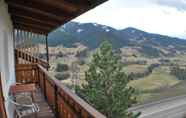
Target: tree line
(180, 73)
(145, 73)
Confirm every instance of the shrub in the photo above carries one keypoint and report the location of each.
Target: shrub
(81, 62)
(62, 76)
(60, 54)
(62, 67)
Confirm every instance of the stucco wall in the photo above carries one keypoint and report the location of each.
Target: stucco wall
(6, 54)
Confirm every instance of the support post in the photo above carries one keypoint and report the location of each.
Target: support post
(47, 53)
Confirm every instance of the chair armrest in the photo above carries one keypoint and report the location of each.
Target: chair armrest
(21, 105)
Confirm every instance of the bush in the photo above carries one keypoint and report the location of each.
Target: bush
(62, 67)
(62, 76)
(180, 73)
(60, 54)
(81, 62)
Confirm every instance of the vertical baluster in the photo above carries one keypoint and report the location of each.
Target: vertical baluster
(44, 85)
(56, 100)
(84, 114)
(38, 77)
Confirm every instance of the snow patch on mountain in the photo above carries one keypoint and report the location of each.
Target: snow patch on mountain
(95, 24)
(79, 30)
(107, 30)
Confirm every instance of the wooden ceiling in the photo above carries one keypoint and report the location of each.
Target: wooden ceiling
(43, 16)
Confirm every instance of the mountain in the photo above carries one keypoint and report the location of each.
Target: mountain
(88, 34)
(92, 34)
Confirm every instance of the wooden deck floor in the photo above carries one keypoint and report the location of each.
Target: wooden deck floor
(45, 111)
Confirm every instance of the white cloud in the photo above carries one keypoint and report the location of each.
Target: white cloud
(178, 4)
(148, 15)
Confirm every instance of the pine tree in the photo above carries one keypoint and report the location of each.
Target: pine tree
(106, 88)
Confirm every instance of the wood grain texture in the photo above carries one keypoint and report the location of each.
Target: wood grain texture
(55, 12)
(62, 101)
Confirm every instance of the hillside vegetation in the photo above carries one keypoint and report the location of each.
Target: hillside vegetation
(148, 59)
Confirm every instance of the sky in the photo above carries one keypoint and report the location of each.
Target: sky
(167, 17)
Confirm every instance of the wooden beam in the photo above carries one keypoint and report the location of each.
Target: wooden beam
(84, 3)
(32, 19)
(51, 13)
(63, 4)
(34, 8)
(44, 18)
(42, 24)
(45, 28)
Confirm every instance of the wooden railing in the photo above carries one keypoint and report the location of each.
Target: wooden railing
(27, 73)
(25, 58)
(63, 102)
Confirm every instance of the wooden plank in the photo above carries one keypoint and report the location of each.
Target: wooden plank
(36, 8)
(22, 88)
(60, 11)
(33, 23)
(47, 6)
(45, 110)
(27, 73)
(30, 19)
(20, 12)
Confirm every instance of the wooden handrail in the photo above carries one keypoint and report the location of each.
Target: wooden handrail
(63, 102)
(29, 58)
(87, 110)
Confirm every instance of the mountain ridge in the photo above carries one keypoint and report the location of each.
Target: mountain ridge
(93, 34)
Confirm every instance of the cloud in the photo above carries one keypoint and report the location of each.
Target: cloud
(178, 4)
(147, 15)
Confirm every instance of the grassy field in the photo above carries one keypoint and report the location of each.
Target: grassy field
(150, 96)
(135, 68)
(159, 79)
(159, 85)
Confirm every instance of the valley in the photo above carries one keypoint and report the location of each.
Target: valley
(156, 85)
(147, 58)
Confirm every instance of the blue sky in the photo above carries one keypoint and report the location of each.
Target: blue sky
(166, 17)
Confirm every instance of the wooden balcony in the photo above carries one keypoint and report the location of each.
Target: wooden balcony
(25, 58)
(61, 101)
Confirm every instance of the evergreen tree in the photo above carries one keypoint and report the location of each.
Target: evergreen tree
(106, 88)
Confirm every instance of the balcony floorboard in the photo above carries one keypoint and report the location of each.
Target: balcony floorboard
(45, 111)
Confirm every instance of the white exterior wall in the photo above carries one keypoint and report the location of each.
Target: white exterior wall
(7, 67)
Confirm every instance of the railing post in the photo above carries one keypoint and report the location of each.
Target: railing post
(47, 51)
(56, 101)
(16, 56)
(38, 71)
(44, 85)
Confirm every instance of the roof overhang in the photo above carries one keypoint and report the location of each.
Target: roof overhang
(43, 16)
